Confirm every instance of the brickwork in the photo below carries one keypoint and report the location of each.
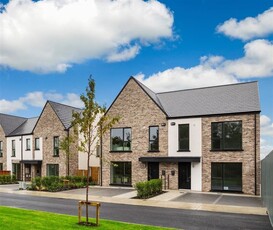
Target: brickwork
(169, 181)
(138, 111)
(47, 127)
(246, 157)
(3, 159)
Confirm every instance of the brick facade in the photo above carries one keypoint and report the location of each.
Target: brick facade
(3, 159)
(246, 157)
(136, 110)
(48, 126)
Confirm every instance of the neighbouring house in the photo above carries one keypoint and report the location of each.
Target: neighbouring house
(205, 139)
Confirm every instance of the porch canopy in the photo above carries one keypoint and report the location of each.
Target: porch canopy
(169, 159)
(31, 162)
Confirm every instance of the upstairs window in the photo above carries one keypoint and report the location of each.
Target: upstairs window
(55, 146)
(28, 144)
(153, 138)
(13, 152)
(37, 143)
(183, 137)
(121, 139)
(1, 148)
(226, 135)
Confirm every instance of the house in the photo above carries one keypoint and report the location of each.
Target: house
(204, 139)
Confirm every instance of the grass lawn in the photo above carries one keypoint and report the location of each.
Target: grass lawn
(15, 218)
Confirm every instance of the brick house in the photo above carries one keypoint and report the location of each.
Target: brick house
(204, 139)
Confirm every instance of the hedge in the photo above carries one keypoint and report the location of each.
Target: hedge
(148, 188)
(7, 179)
(55, 183)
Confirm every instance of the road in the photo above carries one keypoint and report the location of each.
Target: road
(167, 217)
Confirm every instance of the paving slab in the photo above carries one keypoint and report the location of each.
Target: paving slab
(197, 198)
(241, 201)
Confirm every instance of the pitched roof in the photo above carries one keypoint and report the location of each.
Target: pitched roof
(9, 122)
(64, 112)
(26, 128)
(224, 99)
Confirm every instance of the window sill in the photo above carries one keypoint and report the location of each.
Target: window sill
(27, 150)
(187, 150)
(55, 155)
(37, 149)
(122, 185)
(13, 156)
(153, 151)
(226, 150)
(128, 151)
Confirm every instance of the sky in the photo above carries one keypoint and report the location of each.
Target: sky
(49, 48)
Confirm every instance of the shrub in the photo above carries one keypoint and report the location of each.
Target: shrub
(7, 179)
(148, 188)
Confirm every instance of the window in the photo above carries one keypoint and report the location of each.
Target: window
(37, 143)
(153, 138)
(55, 146)
(226, 176)
(121, 139)
(1, 166)
(16, 170)
(27, 144)
(226, 135)
(184, 137)
(13, 148)
(1, 148)
(121, 173)
(98, 151)
(52, 170)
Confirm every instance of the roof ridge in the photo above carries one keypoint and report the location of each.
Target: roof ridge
(49, 101)
(10, 115)
(208, 87)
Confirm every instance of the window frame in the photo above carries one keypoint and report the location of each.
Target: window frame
(13, 148)
(123, 136)
(57, 169)
(150, 140)
(222, 138)
(28, 147)
(37, 147)
(56, 149)
(122, 176)
(1, 166)
(179, 146)
(1, 148)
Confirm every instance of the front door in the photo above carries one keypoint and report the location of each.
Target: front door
(27, 172)
(184, 177)
(153, 170)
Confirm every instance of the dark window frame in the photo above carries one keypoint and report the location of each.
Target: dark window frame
(150, 140)
(123, 136)
(1, 166)
(1, 148)
(56, 170)
(121, 178)
(222, 138)
(56, 149)
(13, 148)
(37, 147)
(179, 144)
(28, 147)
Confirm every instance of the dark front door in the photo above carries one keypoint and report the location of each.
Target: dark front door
(153, 170)
(184, 177)
(27, 172)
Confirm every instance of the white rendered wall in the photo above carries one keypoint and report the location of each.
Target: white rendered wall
(196, 176)
(38, 154)
(17, 157)
(27, 154)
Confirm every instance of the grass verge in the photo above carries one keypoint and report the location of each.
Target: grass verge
(15, 218)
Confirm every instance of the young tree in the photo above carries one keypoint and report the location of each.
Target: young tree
(90, 125)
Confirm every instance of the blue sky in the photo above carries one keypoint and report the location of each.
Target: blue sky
(49, 48)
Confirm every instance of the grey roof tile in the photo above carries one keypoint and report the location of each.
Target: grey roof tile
(64, 112)
(26, 128)
(9, 122)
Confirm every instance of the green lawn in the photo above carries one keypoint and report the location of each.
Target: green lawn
(15, 218)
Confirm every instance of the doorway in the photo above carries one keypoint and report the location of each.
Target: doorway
(153, 170)
(184, 175)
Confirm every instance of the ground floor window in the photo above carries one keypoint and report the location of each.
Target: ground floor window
(1, 166)
(121, 173)
(16, 170)
(226, 176)
(52, 170)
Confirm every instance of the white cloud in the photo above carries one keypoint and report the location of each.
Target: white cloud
(250, 27)
(38, 99)
(266, 126)
(52, 35)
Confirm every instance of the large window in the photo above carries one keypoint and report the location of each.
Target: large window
(121, 139)
(153, 138)
(1, 148)
(16, 170)
(52, 170)
(184, 137)
(55, 146)
(28, 144)
(37, 143)
(121, 173)
(226, 135)
(226, 176)
(13, 153)
(1, 166)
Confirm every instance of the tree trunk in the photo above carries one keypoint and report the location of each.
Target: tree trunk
(87, 187)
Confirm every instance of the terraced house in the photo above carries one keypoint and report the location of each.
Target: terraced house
(205, 139)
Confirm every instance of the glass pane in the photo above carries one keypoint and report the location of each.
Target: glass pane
(216, 176)
(121, 173)
(216, 136)
(117, 139)
(184, 137)
(233, 135)
(153, 139)
(232, 176)
(127, 139)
